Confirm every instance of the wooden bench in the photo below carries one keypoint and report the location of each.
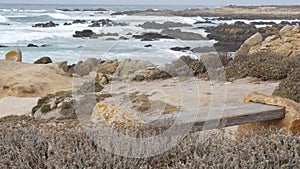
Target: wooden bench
(220, 117)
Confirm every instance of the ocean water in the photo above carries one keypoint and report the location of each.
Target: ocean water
(17, 32)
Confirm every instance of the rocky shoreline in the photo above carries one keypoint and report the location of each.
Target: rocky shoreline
(228, 12)
(69, 100)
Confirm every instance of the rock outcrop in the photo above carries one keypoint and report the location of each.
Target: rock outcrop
(55, 106)
(45, 25)
(110, 114)
(252, 41)
(230, 37)
(291, 122)
(178, 34)
(151, 37)
(32, 80)
(43, 60)
(84, 34)
(106, 70)
(84, 68)
(184, 66)
(128, 67)
(32, 45)
(285, 43)
(165, 25)
(151, 73)
(14, 55)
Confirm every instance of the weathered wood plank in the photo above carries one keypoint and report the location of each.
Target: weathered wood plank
(224, 116)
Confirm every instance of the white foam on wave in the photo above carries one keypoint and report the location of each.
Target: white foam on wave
(58, 15)
(3, 19)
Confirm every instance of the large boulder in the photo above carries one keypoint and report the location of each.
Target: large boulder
(43, 60)
(84, 34)
(151, 73)
(55, 106)
(184, 66)
(252, 41)
(32, 80)
(106, 70)
(89, 65)
(290, 123)
(14, 55)
(128, 67)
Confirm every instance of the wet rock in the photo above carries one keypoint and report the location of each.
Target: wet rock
(151, 37)
(263, 23)
(43, 60)
(148, 46)
(231, 37)
(165, 25)
(202, 22)
(108, 34)
(180, 48)
(87, 66)
(3, 46)
(55, 106)
(123, 38)
(66, 24)
(290, 123)
(14, 55)
(78, 21)
(32, 45)
(106, 22)
(84, 34)
(128, 67)
(45, 25)
(110, 39)
(178, 34)
(205, 49)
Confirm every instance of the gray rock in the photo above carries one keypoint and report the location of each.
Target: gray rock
(87, 66)
(128, 67)
(165, 25)
(178, 34)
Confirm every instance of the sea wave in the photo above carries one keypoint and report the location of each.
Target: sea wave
(58, 15)
(3, 19)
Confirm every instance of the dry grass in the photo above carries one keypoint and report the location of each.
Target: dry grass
(27, 143)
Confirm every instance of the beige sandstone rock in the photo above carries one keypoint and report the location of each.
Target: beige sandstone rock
(286, 31)
(286, 43)
(14, 55)
(110, 114)
(252, 41)
(105, 71)
(291, 122)
(31, 80)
